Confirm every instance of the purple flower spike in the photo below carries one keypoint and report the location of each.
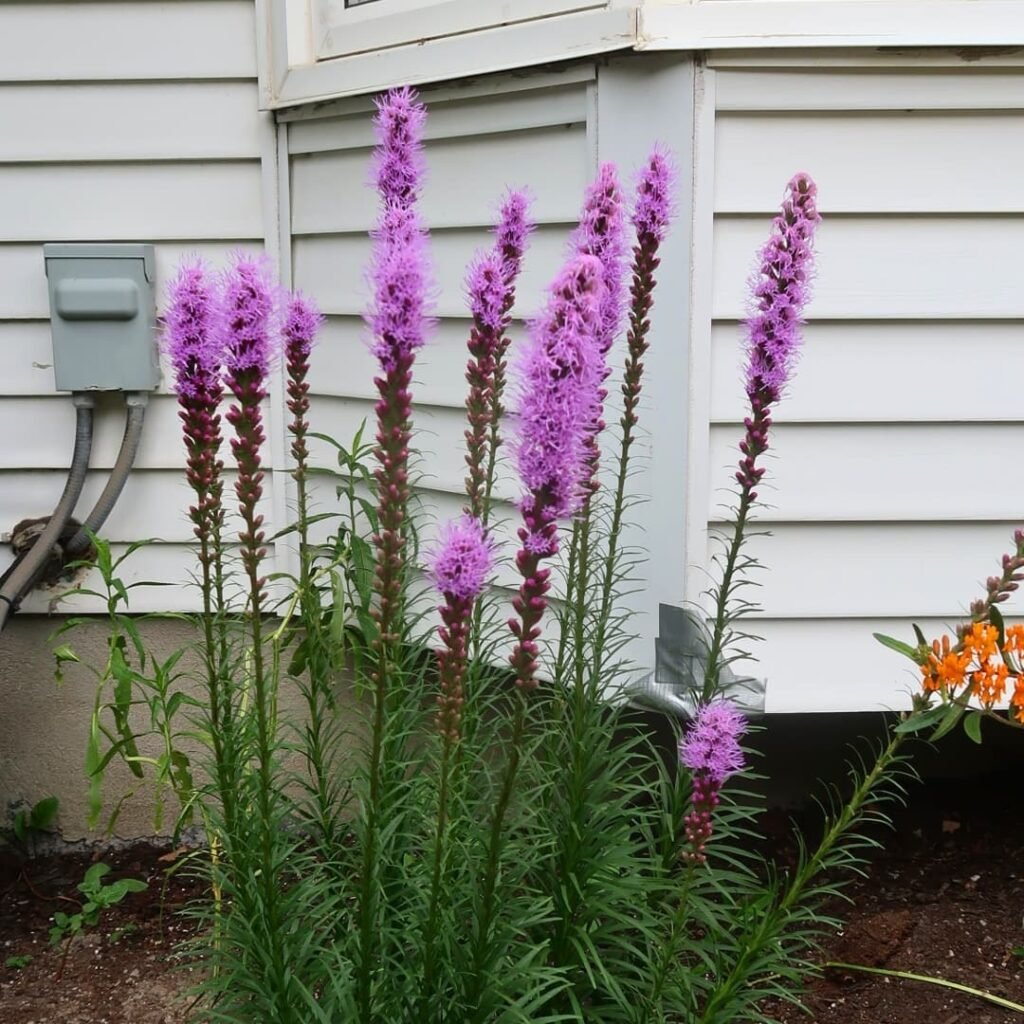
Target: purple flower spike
(486, 285)
(711, 745)
(400, 277)
(514, 227)
(711, 750)
(192, 337)
(398, 163)
(301, 322)
(780, 291)
(602, 233)
(248, 307)
(653, 206)
(560, 374)
(462, 559)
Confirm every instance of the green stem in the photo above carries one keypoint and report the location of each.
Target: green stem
(910, 976)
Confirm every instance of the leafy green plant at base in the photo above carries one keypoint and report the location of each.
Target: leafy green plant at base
(28, 824)
(18, 962)
(98, 897)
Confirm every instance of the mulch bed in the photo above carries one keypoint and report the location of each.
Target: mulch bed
(945, 898)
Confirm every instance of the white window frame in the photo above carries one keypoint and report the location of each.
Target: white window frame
(381, 24)
(295, 65)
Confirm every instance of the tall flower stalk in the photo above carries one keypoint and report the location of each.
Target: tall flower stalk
(194, 342)
(460, 568)
(398, 321)
(780, 291)
(301, 322)
(491, 287)
(560, 376)
(248, 307)
(651, 216)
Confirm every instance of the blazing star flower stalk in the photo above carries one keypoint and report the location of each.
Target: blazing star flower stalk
(248, 306)
(490, 284)
(195, 345)
(602, 234)
(651, 216)
(301, 322)
(781, 289)
(398, 322)
(711, 750)
(561, 377)
(460, 567)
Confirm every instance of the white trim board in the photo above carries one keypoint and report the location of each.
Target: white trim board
(774, 24)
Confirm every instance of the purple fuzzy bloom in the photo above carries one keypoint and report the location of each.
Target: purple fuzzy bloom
(462, 559)
(248, 308)
(560, 375)
(488, 290)
(192, 337)
(400, 276)
(780, 290)
(602, 233)
(711, 746)
(514, 227)
(302, 320)
(398, 163)
(653, 207)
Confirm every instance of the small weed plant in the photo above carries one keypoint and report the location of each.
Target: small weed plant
(462, 827)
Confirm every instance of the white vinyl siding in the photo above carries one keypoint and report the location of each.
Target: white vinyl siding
(119, 121)
(892, 491)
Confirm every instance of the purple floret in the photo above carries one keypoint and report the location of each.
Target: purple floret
(653, 206)
(192, 337)
(711, 746)
(462, 559)
(247, 309)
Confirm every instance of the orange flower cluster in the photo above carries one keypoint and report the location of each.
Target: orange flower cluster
(979, 666)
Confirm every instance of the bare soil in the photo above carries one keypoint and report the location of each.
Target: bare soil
(945, 898)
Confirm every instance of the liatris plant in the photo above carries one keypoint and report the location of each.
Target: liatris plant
(525, 853)
(781, 290)
(491, 286)
(710, 749)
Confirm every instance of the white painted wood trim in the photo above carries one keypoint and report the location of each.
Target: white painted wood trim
(772, 24)
(663, 90)
(528, 44)
(702, 218)
(342, 31)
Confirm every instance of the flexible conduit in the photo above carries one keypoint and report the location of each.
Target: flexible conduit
(23, 575)
(135, 419)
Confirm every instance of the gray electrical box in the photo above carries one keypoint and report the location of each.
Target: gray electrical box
(103, 316)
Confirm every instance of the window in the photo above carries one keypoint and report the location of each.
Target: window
(346, 27)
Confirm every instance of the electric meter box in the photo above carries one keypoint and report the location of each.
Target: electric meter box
(103, 316)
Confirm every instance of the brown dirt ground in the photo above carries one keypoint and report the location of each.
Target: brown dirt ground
(945, 898)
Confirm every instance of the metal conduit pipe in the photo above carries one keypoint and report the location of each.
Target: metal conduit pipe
(20, 580)
(136, 416)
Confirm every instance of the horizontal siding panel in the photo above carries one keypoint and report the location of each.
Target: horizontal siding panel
(541, 108)
(145, 39)
(70, 202)
(861, 570)
(901, 162)
(882, 472)
(154, 503)
(330, 191)
(343, 365)
(23, 293)
(140, 121)
(331, 268)
(836, 89)
(26, 355)
(438, 437)
(48, 444)
(891, 372)
(879, 267)
(837, 665)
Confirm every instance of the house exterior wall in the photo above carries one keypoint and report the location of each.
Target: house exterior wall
(118, 122)
(892, 495)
